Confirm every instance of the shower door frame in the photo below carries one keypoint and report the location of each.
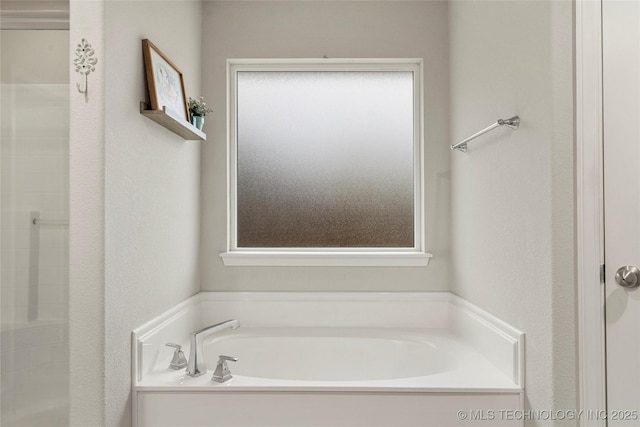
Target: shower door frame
(590, 209)
(34, 20)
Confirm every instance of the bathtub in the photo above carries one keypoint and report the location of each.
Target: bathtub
(330, 354)
(353, 365)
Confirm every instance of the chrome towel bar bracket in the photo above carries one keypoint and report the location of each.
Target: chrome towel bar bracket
(512, 123)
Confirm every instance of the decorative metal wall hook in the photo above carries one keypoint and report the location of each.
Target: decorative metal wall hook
(85, 63)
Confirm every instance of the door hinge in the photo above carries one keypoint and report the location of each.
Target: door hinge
(602, 274)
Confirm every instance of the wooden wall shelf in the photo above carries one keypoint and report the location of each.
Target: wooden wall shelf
(175, 124)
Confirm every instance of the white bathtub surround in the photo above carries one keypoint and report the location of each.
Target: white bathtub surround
(318, 359)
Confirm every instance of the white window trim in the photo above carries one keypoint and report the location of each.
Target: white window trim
(409, 257)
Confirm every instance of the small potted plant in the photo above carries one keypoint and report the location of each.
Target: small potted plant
(198, 109)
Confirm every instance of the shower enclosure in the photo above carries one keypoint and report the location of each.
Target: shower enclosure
(34, 215)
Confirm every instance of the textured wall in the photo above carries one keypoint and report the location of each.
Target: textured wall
(513, 200)
(86, 230)
(152, 185)
(312, 29)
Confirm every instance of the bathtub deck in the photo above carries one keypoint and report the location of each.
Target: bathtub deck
(470, 371)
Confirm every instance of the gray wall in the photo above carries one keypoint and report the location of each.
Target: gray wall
(338, 30)
(513, 199)
(152, 185)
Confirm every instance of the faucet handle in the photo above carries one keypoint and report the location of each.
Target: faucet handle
(222, 372)
(178, 361)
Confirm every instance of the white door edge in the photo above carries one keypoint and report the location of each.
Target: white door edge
(590, 242)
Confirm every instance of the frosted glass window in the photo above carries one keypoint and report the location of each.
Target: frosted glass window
(325, 159)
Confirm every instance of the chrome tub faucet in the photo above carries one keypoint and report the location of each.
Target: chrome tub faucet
(196, 365)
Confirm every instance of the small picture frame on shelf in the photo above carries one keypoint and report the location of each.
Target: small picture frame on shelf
(164, 81)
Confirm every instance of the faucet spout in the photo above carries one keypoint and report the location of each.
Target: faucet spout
(196, 365)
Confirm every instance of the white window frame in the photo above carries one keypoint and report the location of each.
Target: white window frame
(413, 257)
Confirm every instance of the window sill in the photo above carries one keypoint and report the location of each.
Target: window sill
(325, 259)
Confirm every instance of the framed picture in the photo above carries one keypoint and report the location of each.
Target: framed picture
(165, 82)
